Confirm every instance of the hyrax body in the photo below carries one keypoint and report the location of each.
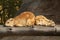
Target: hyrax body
(42, 20)
(24, 19)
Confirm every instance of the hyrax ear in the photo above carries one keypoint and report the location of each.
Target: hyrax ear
(11, 19)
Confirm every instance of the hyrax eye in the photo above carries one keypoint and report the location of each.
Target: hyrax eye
(7, 22)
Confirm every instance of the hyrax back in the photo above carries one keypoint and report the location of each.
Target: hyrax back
(25, 19)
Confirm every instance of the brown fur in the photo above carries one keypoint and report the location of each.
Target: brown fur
(24, 19)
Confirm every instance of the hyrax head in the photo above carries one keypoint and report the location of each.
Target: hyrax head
(9, 22)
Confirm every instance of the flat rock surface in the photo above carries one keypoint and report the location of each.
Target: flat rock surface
(35, 30)
(31, 38)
